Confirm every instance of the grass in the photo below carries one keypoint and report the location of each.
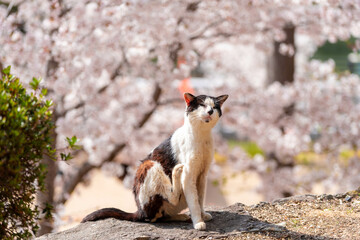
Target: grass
(251, 148)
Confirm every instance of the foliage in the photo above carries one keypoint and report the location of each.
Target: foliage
(25, 125)
(337, 51)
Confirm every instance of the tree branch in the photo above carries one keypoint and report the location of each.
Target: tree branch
(147, 115)
(116, 73)
(11, 8)
(86, 167)
(207, 27)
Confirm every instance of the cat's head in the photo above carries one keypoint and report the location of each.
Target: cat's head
(203, 108)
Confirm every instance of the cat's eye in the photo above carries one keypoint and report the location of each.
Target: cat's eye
(201, 103)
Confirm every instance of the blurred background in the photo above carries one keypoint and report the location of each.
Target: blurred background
(116, 72)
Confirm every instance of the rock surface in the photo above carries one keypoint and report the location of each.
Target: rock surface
(299, 217)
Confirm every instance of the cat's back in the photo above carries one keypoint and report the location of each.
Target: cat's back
(164, 155)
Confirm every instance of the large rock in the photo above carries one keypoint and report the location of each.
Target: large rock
(228, 221)
(300, 217)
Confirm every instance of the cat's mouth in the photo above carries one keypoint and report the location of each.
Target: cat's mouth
(207, 119)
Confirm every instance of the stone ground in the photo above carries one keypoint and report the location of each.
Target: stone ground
(299, 217)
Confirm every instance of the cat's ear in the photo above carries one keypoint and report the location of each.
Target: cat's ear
(221, 99)
(188, 98)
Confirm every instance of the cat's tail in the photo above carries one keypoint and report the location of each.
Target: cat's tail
(113, 213)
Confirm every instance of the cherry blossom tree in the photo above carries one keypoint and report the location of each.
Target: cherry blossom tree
(113, 69)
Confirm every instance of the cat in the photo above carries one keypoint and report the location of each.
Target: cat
(173, 176)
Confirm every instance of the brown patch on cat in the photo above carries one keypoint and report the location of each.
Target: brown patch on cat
(139, 180)
(141, 175)
(142, 170)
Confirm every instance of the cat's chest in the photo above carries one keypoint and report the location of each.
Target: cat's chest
(201, 148)
(193, 148)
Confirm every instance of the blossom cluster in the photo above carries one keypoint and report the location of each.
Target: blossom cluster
(104, 61)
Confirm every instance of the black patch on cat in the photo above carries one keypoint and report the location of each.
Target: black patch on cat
(217, 105)
(194, 104)
(153, 206)
(163, 154)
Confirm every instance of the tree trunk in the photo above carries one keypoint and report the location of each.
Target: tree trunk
(281, 68)
(1, 68)
(47, 196)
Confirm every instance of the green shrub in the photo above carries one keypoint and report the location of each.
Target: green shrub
(25, 126)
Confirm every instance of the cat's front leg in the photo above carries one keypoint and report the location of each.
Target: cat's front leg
(201, 187)
(176, 184)
(192, 200)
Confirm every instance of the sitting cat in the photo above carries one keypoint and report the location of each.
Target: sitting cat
(173, 176)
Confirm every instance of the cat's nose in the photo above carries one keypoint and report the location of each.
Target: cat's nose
(211, 111)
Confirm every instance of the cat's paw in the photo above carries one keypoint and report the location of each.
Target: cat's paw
(178, 170)
(183, 217)
(200, 226)
(206, 216)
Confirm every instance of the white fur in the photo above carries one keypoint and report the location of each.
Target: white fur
(193, 146)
